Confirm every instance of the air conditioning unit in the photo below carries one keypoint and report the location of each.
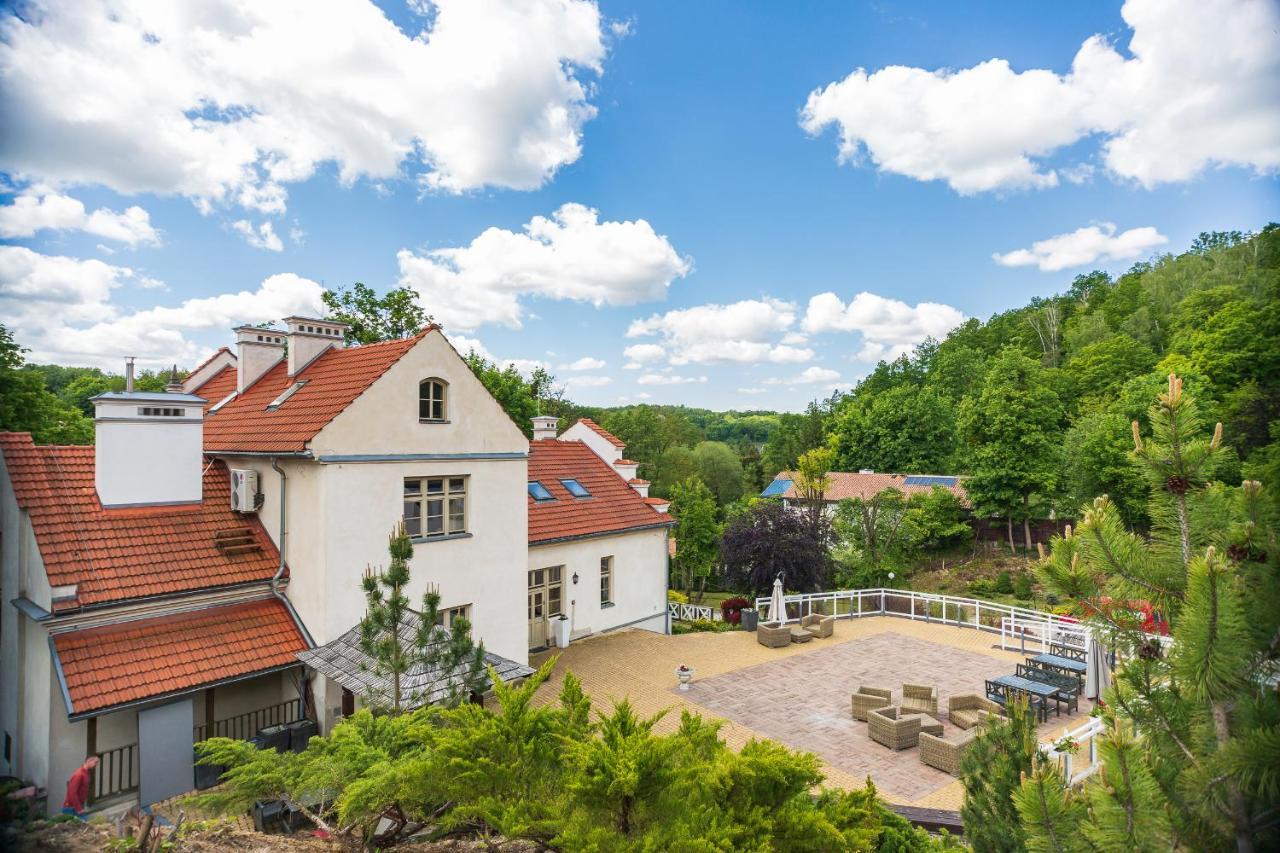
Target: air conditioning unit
(244, 490)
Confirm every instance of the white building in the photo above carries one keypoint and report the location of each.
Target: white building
(138, 607)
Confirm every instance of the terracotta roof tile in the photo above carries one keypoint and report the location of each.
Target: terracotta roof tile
(613, 506)
(216, 388)
(334, 379)
(855, 484)
(130, 661)
(604, 433)
(116, 554)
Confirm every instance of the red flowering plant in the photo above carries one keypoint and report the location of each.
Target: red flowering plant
(731, 609)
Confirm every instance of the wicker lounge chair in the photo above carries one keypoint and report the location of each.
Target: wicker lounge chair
(966, 710)
(819, 625)
(920, 698)
(868, 698)
(945, 753)
(888, 726)
(773, 635)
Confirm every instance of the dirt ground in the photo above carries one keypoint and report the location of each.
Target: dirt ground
(77, 837)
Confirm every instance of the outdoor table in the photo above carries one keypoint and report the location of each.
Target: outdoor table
(1074, 667)
(801, 635)
(928, 724)
(1035, 688)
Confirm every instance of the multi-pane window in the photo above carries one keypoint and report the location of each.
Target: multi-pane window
(435, 506)
(606, 580)
(447, 617)
(431, 400)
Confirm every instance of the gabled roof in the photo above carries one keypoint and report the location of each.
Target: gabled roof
(603, 433)
(333, 380)
(115, 554)
(216, 388)
(855, 484)
(149, 658)
(344, 661)
(613, 507)
(202, 365)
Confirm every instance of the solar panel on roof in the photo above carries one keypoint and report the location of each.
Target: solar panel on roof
(930, 481)
(777, 488)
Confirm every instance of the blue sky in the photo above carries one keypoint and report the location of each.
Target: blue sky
(698, 130)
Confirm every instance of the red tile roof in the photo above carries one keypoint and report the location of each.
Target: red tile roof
(613, 506)
(116, 554)
(855, 484)
(146, 658)
(604, 433)
(216, 388)
(334, 379)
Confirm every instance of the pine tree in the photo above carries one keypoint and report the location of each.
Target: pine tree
(991, 771)
(388, 636)
(1192, 755)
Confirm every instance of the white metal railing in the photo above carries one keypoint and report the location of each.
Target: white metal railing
(1023, 622)
(689, 612)
(1079, 762)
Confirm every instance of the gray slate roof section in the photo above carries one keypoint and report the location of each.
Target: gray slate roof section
(343, 661)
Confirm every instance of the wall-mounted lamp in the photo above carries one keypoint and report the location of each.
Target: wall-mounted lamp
(575, 578)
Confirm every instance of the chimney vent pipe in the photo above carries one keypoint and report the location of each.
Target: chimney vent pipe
(128, 374)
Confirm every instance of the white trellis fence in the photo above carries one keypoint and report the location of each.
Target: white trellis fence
(689, 612)
(1017, 626)
(1077, 756)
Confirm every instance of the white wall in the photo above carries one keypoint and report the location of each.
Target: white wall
(639, 579)
(605, 449)
(152, 462)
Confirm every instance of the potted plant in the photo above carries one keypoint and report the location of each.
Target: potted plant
(562, 628)
(750, 617)
(684, 672)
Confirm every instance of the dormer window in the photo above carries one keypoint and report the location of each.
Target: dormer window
(433, 400)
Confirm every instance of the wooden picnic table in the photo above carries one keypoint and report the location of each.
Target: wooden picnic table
(1035, 688)
(1074, 667)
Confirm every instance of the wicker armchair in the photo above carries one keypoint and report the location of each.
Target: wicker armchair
(889, 727)
(869, 698)
(966, 710)
(773, 635)
(945, 753)
(819, 625)
(919, 698)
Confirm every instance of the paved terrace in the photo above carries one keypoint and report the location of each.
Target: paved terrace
(799, 695)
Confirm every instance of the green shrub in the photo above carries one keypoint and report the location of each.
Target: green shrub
(1022, 588)
(1004, 583)
(677, 596)
(981, 588)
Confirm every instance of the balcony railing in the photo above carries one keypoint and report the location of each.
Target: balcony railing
(116, 773)
(245, 726)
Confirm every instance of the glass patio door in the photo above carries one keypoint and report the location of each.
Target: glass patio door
(545, 591)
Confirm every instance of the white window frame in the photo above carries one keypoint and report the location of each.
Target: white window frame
(606, 580)
(448, 615)
(445, 497)
(437, 403)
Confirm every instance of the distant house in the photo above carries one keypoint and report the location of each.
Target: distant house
(862, 484)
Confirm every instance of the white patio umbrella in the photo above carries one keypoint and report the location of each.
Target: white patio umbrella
(1098, 669)
(777, 607)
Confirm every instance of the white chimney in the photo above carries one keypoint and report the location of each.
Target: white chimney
(626, 468)
(257, 351)
(148, 448)
(308, 337)
(641, 487)
(545, 427)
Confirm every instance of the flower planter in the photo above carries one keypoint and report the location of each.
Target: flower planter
(561, 628)
(684, 674)
(750, 617)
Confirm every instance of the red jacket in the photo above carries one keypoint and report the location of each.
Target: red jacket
(77, 790)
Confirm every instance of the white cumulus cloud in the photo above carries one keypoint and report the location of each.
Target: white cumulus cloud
(809, 376)
(569, 255)
(584, 363)
(228, 102)
(587, 381)
(889, 327)
(1084, 246)
(62, 309)
(262, 237)
(39, 209)
(668, 379)
(1197, 89)
(743, 332)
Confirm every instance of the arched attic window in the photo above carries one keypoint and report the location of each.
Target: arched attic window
(433, 400)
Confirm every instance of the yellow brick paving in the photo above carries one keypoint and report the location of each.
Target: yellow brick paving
(639, 666)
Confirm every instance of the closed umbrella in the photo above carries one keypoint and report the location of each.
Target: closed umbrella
(777, 606)
(1098, 669)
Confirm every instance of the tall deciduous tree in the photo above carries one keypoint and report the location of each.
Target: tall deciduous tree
(906, 429)
(27, 406)
(812, 481)
(769, 539)
(1012, 429)
(372, 318)
(697, 534)
(720, 468)
(1192, 758)
(523, 398)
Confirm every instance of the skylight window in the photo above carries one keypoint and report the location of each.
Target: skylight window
(288, 392)
(539, 492)
(223, 402)
(575, 488)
